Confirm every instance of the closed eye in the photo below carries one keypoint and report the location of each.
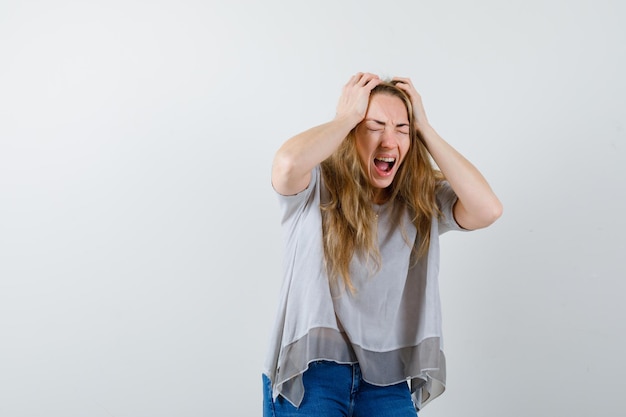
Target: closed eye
(378, 126)
(375, 126)
(403, 128)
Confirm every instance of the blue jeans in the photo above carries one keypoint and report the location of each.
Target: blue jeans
(336, 390)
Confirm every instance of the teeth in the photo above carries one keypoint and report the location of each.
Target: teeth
(386, 159)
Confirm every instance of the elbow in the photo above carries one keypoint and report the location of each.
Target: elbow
(287, 178)
(491, 213)
(282, 169)
(283, 164)
(478, 217)
(495, 211)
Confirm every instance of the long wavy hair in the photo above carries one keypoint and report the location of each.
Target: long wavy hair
(348, 217)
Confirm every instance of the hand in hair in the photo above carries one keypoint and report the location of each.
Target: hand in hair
(294, 160)
(355, 96)
(477, 205)
(419, 114)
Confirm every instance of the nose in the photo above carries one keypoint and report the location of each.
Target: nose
(388, 138)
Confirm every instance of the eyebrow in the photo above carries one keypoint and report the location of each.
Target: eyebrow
(378, 122)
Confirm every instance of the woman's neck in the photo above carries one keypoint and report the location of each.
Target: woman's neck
(381, 196)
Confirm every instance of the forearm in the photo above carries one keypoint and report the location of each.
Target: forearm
(296, 158)
(477, 205)
(294, 161)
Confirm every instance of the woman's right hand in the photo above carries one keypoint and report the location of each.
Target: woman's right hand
(296, 158)
(355, 96)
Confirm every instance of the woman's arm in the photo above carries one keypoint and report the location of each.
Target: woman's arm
(477, 206)
(296, 158)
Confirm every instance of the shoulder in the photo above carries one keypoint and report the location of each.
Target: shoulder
(446, 199)
(306, 199)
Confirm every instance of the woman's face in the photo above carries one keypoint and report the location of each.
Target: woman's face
(383, 139)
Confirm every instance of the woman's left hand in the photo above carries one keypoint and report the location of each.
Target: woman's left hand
(419, 113)
(477, 205)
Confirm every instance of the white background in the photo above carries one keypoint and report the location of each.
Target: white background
(139, 234)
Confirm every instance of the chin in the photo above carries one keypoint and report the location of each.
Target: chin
(381, 185)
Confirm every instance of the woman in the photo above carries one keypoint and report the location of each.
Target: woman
(363, 207)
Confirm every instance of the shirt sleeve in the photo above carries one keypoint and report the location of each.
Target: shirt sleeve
(446, 198)
(291, 206)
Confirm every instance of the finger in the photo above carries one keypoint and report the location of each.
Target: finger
(405, 80)
(371, 84)
(406, 85)
(367, 77)
(354, 79)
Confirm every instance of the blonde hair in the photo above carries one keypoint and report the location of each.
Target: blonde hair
(348, 218)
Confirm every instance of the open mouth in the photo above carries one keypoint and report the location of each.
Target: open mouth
(384, 164)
